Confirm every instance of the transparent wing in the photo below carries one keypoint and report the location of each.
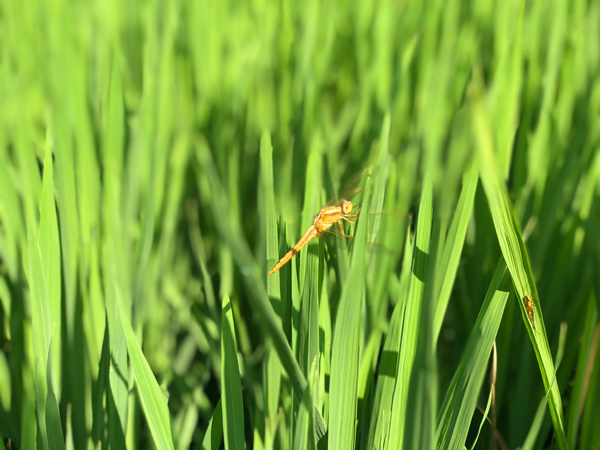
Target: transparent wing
(379, 223)
(350, 189)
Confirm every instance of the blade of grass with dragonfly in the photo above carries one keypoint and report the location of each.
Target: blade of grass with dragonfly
(310, 261)
(252, 276)
(383, 250)
(311, 205)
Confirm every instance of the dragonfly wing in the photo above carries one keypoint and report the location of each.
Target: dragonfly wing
(350, 189)
(329, 236)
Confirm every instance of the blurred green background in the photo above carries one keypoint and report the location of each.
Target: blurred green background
(158, 157)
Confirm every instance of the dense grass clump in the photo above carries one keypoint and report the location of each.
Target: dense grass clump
(157, 158)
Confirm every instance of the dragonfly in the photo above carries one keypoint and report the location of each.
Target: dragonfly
(323, 221)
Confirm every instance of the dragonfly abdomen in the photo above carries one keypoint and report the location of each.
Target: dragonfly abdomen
(310, 233)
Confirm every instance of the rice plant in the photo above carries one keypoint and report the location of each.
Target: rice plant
(158, 158)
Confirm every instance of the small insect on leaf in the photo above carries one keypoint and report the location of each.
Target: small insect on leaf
(529, 308)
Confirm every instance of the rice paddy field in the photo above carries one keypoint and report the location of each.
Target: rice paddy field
(157, 158)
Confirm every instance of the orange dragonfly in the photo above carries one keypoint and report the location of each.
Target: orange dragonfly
(327, 217)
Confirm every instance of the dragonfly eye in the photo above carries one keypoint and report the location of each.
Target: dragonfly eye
(346, 206)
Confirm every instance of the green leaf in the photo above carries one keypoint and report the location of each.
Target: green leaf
(50, 249)
(214, 432)
(46, 404)
(380, 422)
(233, 405)
(252, 276)
(414, 398)
(453, 246)
(517, 260)
(346, 345)
(152, 398)
(464, 390)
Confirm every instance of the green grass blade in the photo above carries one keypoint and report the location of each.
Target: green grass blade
(320, 393)
(272, 368)
(164, 155)
(346, 344)
(214, 432)
(400, 420)
(233, 405)
(585, 359)
(307, 347)
(308, 327)
(68, 213)
(115, 266)
(517, 260)
(463, 393)
(590, 434)
(450, 256)
(50, 249)
(417, 372)
(40, 319)
(267, 190)
(483, 421)
(12, 218)
(46, 404)
(539, 423)
(312, 203)
(50, 253)
(5, 383)
(304, 437)
(382, 261)
(253, 276)
(152, 398)
(388, 365)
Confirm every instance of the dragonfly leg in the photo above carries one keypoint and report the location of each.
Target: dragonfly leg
(348, 220)
(341, 232)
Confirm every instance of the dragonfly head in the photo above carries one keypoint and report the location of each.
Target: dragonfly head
(346, 206)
